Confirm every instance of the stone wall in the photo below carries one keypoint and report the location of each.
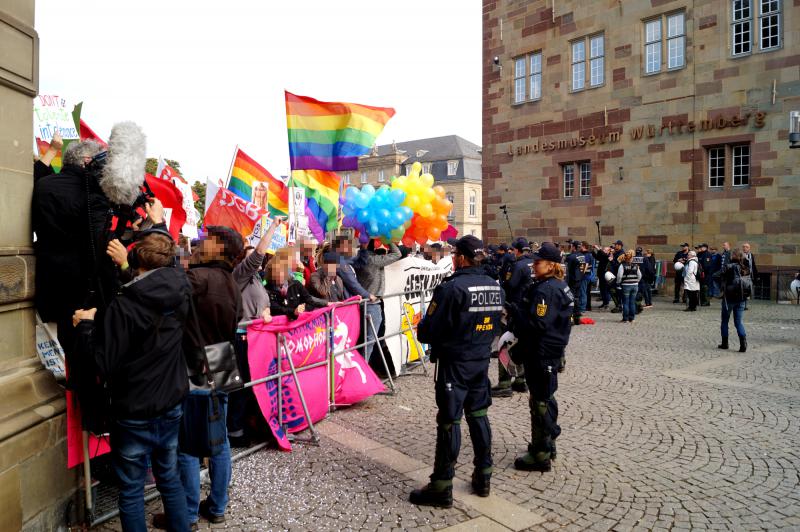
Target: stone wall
(35, 483)
(652, 191)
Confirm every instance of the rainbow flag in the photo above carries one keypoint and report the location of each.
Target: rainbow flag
(322, 196)
(331, 135)
(247, 173)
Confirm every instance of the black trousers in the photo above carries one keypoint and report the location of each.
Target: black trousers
(694, 297)
(542, 378)
(462, 387)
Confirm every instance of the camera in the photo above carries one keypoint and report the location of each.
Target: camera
(496, 61)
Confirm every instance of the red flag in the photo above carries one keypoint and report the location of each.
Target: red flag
(171, 198)
(450, 232)
(230, 210)
(88, 134)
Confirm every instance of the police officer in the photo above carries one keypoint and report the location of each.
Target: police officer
(589, 274)
(507, 258)
(576, 265)
(517, 280)
(460, 324)
(542, 324)
(704, 259)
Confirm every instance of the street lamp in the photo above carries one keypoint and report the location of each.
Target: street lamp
(794, 129)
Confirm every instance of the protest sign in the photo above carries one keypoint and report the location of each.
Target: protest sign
(411, 273)
(52, 114)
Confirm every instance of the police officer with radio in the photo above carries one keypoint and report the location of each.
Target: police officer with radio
(542, 324)
(460, 324)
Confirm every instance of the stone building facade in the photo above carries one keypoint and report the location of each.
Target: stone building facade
(454, 162)
(663, 120)
(35, 484)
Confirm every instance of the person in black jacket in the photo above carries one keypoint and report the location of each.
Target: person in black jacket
(602, 257)
(460, 324)
(287, 296)
(576, 267)
(681, 256)
(542, 325)
(648, 276)
(704, 262)
(735, 291)
(138, 352)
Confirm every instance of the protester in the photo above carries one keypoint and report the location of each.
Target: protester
(255, 304)
(325, 283)
(691, 284)
(648, 277)
(460, 329)
(287, 295)
(308, 250)
(542, 325)
(716, 268)
(589, 275)
(628, 277)
(734, 286)
(218, 305)
(681, 256)
(137, 349)
(369, 265)
(704, 273)
(749, 262)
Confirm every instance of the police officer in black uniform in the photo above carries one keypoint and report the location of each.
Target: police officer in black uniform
(576, 265)
(460, 324)
(516, 281)
(704, 261)
(542, 324)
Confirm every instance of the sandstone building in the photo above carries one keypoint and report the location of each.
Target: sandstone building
(663, 120)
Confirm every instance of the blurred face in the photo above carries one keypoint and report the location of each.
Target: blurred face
(210, 248)
(540, 268)
(330, 270)
(280, 271)
(726, 246)
(617, 247)
(746, 248)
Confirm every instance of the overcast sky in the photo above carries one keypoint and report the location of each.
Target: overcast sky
(201, 77)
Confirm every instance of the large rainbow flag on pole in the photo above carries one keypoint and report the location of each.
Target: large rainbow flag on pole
(331, 135)
(322, 196)
(247, 173)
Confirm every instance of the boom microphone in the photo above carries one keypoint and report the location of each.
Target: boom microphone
(123, 174)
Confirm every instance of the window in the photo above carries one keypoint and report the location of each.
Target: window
(743, 37)
(473, 202)
(452, 199)
(655, 46)
(586, 179)
(716, 167)
(381, 176)
(652, 46)
(426, 168)
(741, 165)
(596, 73)
(731, 160)
(741, 27)
(569, 180)
(452, 167)
(347, 179)
(528, 77)
(408, 169)
(363, 177)
(769, 24)
(676, 41)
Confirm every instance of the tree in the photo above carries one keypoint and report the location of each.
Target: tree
(152, 165)
(199, 189)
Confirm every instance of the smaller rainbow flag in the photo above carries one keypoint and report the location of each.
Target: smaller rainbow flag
(246, 173)
(322, 195)
(331, 135)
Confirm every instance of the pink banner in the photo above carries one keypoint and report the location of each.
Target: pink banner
(306, 342)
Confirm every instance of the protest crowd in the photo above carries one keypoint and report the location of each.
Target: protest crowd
(156, 325)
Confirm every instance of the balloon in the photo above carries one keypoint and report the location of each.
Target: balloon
(361, 200)
(363, 238)
(427, 180)
(408, 241)
(407, 213)
(368, 189)
(439, 190)
(434, 233)
(425, 210)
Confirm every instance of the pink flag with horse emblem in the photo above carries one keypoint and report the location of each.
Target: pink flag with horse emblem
(306, 342)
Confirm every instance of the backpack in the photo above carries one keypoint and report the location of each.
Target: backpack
(701, 274)
(741, 286)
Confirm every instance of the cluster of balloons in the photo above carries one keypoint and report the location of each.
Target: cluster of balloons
(376, 213)
(412, 210)
(429, 204)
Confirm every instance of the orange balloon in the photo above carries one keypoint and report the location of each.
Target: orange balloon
(440, 192)
(434, 233)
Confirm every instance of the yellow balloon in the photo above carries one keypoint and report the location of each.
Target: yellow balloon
(416, 168)
(427, 180)
(428, 194)
(425, 210)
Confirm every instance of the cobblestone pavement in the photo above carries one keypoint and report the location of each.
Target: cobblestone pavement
(661, 431)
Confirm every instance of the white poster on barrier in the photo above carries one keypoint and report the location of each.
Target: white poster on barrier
(404, 276)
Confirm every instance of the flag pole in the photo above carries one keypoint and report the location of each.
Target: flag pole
(230, 169)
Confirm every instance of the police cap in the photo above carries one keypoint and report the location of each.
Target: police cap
(469, 246)
(548, 251)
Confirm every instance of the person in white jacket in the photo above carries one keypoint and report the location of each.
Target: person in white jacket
(691, 284)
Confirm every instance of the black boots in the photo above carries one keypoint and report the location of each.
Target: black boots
(437, 493)
(481, 483)
(724, 344)
(742, 344)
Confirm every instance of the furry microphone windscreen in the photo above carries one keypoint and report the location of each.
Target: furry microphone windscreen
(123, 174)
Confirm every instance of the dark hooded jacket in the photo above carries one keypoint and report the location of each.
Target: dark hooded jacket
(138, 346)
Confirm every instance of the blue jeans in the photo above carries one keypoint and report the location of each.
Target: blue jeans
(132, 442)
(219, 473)
(583, 294)
(738, 310)
(629, 302)
(647, 295)
(374, 311)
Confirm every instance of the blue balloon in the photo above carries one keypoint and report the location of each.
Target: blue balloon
(398, 196)
(407, 213)
(368, 189)
(397, 219)
(361, 200)
(363, 215)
